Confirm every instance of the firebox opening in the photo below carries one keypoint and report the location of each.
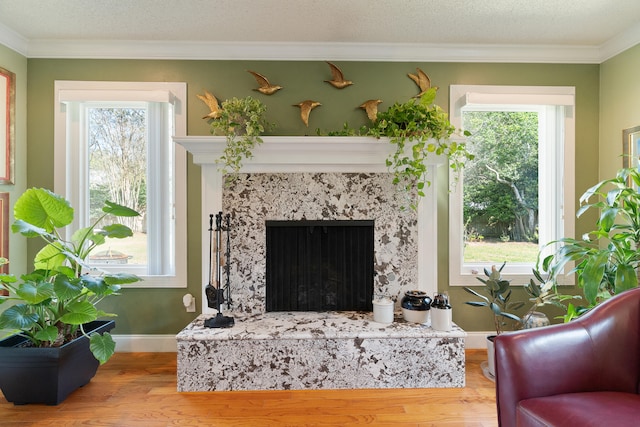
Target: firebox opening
(319, 265)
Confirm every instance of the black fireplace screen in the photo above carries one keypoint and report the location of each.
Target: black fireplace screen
(319, 265)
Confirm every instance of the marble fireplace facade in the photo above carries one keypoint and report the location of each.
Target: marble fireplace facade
(255, 198)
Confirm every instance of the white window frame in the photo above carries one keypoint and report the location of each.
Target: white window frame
(556, 169)
(70, 179)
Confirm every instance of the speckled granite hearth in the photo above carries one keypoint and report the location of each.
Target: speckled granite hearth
(295, 351)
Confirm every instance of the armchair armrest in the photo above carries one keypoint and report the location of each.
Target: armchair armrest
(599, 351)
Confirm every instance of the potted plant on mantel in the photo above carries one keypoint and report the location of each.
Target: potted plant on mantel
(241, 121)
(59, 341)
(418, 128)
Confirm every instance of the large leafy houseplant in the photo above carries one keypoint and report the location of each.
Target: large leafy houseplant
(57, 298)
(418, 128)
(606, 259)
(241, 121)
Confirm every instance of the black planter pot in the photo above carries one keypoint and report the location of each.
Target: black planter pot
(47, 375)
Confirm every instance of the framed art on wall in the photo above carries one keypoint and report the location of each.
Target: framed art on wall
(630, 147)
(7, 124)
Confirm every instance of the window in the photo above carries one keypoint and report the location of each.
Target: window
(113, 141)
(518, 193)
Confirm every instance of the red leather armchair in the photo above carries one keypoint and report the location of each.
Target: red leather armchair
(582, 373)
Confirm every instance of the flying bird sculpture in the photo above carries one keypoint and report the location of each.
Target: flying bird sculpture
(212, 103)
(422, 80)
(305, 109)
(338, 80)
(371, 107)
(265, 87)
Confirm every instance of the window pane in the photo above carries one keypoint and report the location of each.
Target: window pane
(501, 187)
(118, 173)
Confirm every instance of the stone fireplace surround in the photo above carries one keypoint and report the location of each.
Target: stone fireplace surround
(316, 178)
(285, 155)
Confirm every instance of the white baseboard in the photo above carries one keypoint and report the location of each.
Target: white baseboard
(476, 340)
(168, 344)
(145, 343)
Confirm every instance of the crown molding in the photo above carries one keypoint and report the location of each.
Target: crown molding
(620, 43)
(13, 40)
(304, 51)
(299, 51)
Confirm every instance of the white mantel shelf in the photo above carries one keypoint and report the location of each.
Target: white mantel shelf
(317, 154)
(302, 153)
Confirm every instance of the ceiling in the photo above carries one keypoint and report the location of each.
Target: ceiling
(581, 31)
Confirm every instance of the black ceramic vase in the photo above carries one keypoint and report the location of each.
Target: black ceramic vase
(415, 306)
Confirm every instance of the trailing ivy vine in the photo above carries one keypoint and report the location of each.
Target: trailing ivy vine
(241, 121)
(418, 128)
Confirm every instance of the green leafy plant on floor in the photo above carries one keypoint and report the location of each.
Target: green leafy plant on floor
(497, 298)
(55, 300)
(543, 292)
(606, 259)
(241, 121)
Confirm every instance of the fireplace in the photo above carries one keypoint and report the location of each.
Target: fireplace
(317, 178)
(319, 265)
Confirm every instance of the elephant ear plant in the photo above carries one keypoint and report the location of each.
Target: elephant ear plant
(54, 301)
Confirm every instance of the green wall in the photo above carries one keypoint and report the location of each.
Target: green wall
(159, 311)
(619, 106)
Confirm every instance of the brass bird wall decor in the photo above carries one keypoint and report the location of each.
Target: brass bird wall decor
(371, 107)
(338, 80)
(305, 109)
(422, 80)
(212, 103)
(265, 87)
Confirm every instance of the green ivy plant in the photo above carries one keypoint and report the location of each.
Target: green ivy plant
(241, 121)
(418, 128)
(54, 301)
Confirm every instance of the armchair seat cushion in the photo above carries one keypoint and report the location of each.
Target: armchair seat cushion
(597, 409)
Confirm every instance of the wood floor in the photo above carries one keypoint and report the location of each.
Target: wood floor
(139, 389)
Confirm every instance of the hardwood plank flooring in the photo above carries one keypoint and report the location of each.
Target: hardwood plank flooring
(139, 389)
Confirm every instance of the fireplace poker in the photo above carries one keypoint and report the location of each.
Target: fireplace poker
(219, 321)
(227, 264)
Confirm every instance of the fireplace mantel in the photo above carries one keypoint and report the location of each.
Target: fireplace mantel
(295, 154)
(301, 153)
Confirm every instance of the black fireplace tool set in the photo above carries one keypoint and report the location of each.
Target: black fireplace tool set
(214, 290)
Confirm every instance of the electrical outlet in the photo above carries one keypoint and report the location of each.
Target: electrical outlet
(189, 302)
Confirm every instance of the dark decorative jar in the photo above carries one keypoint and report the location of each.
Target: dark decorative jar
(415, 306)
